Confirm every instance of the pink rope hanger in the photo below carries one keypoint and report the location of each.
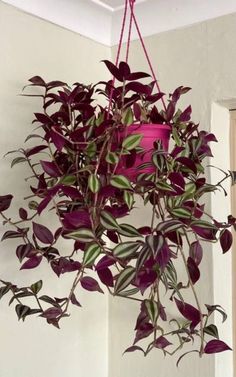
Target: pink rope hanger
(132, 19)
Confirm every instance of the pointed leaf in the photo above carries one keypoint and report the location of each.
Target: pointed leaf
(226, 240)
(126, 249)
(120, 182)
(82, 235)
(43, 233)
(36, 287)
(90, 284)
(131, 142)
(108, 221)
(215, 346)
(124, 279)
(94, 183)
(91, 254)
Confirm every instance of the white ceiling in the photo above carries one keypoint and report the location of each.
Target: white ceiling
(114, 5)
(100, 20)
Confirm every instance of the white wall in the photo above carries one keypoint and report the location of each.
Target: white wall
(203, 57)
(30, 46)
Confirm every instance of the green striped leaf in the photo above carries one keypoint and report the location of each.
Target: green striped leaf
(182, 213)
(120, 181)
(155, 243)
(129, 199)
(152, 309)
(108, 221)
(203, 224)
(112, 158)
(129, 292)
(22, 311)
(94, 183)
(126, 249)
(212, 331)
(91, 149)
(127, 117)
(82, 235)
(68, 180)
(36, 287)
(170, 226)
(124, 279)
(18, 160)
(131, 142)
(158, 161)
(164, 187)
(91, 254)
(143, 255)
(128, 231)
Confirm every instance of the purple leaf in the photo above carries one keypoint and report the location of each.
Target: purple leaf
(206, 233)
(170, 111)
(76, 219)
(137, 111)
(188, 163)
(196, 252)
(215, 346)
(106, 277)
(74, 301)
(114, 70)
(23, 251)
(163, 256)
(134, 348)
(32, 151)
(12, 234)
(162, 312)
(37, 80)
(177, 181)
(51, 313)
(137, 76)
(144, 279)
(50, 168)
(104, 263)
(112, 236)
(124, 69)
(5, 202)
(139, 88)
(185, 115)
(90, 284)
(23, 214)
(189, 312)
(43, 204)
(226, 240)
(42, 233)
(63, 265)
(161, 342)
(143, 332)
(42, 118)
(58, 140)
(32, 262)
(193, 270)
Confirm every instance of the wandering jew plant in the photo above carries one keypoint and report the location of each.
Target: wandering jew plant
(78, 173)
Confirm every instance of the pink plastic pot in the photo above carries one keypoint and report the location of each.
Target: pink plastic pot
(151, 133)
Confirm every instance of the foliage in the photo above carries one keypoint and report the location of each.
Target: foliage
(77, 181)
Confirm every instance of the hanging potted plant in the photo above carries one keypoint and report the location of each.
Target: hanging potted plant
(137, 119)
(80, 173)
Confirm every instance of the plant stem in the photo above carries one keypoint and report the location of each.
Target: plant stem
(195, 296)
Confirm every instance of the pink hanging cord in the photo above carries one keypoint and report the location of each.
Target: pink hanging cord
(129, 34)
(132, 18)
(131, 4)
(118, 54)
